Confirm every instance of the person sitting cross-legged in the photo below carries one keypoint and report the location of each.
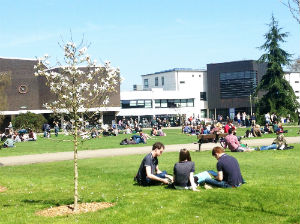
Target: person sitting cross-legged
(149, 173)
(229, 173)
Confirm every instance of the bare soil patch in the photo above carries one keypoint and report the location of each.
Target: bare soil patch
(68, 209)
(2, 189)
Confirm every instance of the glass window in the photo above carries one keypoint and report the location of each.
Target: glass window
(183, 102)
(177, 103)
(148, 103)
(237, 84)
(162, 81)
(132, 103)
(296, 81)
(190, 103)
(146, 83)
(203, 96)
(157, 103)
(163, 103)
(182, 82)
(156, 81)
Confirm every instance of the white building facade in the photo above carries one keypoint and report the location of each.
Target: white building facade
(293, 77)
(171, 92)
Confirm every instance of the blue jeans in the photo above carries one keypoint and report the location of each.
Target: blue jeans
(273, 146)
(153, 182)
(217, 183)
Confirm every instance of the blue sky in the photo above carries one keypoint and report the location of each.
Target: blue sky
(145, 36)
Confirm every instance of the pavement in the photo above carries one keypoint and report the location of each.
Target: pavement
(61, 156)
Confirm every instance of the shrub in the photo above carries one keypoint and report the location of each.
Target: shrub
(29, 121)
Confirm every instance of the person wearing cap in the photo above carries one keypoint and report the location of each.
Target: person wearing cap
(149, 173)
(228, 171)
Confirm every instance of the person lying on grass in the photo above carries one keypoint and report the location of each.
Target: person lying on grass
(184, 172)
(229, 173)
(149, 173)
(279, 143)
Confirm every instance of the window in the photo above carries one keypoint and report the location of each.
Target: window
(157, 103)
(156, 81)
(136, 103)
(183, 103)
(296, 91)
(182, 82)
(190, 103)
(162, 81)
(148, 103)
(174, 103)
(146, 83)
(237, 84)
(296, 81)
(163, 103)
(203, 96)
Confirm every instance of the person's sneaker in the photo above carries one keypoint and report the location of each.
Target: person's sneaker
(208, 187)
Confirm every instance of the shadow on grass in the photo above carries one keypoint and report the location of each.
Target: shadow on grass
(49, 202)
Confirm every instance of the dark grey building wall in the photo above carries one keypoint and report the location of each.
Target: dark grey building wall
(21, 72)
(37, 93)
(213, 81)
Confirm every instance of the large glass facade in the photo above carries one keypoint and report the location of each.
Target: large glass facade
(237, 84)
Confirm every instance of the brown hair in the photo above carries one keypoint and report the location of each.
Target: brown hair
(158, 145)
(217, 149)
(184, 154)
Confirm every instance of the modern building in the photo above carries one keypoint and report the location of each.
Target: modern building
(231, 85)
(293, 77)
(26, 92)
(174, 92)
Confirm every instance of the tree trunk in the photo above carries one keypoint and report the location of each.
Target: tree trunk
(75, 168)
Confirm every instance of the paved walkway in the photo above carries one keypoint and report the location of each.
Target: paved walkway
(60, 156)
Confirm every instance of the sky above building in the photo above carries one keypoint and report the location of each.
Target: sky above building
(145, 36)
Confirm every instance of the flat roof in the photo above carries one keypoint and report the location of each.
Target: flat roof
(24, 59)
(178, 69)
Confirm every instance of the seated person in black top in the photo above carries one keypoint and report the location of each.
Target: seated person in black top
(184, 172)
(149, 173)
(229, 173)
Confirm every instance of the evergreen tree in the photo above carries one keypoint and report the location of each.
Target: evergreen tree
(279, 96)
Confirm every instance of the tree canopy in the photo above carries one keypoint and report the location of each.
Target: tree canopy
(279, 96)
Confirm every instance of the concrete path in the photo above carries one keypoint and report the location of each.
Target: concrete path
(60, 156)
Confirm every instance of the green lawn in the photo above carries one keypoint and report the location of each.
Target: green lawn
(271, 194)
(44, 145)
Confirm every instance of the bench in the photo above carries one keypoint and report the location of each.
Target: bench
(204, 138)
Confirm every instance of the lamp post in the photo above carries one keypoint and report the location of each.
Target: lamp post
(250, 104)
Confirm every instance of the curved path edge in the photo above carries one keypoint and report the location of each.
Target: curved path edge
(85, 154)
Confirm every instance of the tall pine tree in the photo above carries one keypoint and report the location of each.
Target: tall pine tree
(279, 96)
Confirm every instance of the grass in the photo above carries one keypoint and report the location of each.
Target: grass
(271, 194)
(59, 144)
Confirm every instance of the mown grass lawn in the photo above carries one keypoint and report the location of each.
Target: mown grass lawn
(271, 194)
(59, 144)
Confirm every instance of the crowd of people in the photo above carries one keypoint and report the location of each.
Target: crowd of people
(9, 137)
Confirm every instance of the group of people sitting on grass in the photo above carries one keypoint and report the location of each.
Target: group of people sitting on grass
(10, 137)
(217, 128)
(228, 173)
(258, 131)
